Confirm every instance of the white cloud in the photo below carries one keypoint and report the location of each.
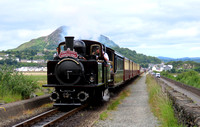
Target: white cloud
(190, 32)
(173, 50)
(194, 49)
(177, 33)
(10, 39)
(144, 24)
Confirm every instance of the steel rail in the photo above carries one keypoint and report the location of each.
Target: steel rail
(36, 118)
(65, 115)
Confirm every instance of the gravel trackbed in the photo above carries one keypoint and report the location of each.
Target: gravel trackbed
(134, 111)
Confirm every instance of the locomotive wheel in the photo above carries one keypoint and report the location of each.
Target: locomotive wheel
(97, 97)
(100, 95)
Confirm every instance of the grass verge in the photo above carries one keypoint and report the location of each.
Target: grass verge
(114, 104)
(160, 105)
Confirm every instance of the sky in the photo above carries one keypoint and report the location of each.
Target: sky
(169, 28)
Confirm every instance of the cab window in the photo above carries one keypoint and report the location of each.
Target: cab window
(95, 50)
(62, 48)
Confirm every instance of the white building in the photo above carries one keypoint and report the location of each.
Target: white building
(161, 67)
(32, 69)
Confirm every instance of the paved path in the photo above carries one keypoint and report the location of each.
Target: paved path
(134, 110)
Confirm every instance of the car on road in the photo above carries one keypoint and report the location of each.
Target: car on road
(158, 75)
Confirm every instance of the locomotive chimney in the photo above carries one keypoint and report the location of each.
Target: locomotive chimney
(69, 41)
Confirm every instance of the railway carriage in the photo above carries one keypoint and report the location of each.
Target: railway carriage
(78, 76)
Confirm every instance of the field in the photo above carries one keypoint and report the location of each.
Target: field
(35, 73)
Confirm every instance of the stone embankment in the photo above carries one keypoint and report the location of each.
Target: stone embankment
(17, 108)
(187, 112)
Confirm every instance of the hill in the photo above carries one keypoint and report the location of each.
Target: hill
(184, 64)
(50, 42)
(138, 58)
(167, 59)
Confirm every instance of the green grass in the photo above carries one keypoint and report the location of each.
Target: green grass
(161, 106)
(104, 115)
(114, 104)
(38, 77)
(10, 98)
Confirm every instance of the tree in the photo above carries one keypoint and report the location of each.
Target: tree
(173, 70)
(18, 54)
(197, 69)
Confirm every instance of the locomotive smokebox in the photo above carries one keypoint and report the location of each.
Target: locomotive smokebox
(69, 41)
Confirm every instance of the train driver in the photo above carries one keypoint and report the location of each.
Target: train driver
(105, 55)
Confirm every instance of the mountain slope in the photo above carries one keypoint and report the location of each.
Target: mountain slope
(49, 42)
(106, 41)
(138, 58)
(167, 59)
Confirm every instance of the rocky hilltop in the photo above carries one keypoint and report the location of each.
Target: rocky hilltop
(46, 42)
(51, 41)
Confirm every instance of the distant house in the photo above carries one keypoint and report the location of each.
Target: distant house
(161, 67)
(38, 61)
(22, 69)
(24, 61)
(154, 68)
(32, 69)
(32, 61)
(17, 59)
(40, 54)
(171, 66)
(168, 67)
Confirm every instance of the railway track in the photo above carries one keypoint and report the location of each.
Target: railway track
(186, 87)
(48, 118)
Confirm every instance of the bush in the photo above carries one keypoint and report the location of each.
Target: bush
(167, 74)
(197, 69)
(14, 83)
(190, 78)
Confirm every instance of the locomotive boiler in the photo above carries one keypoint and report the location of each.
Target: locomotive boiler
(80, 74)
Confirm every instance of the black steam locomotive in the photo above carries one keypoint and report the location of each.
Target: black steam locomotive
(79, 73)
